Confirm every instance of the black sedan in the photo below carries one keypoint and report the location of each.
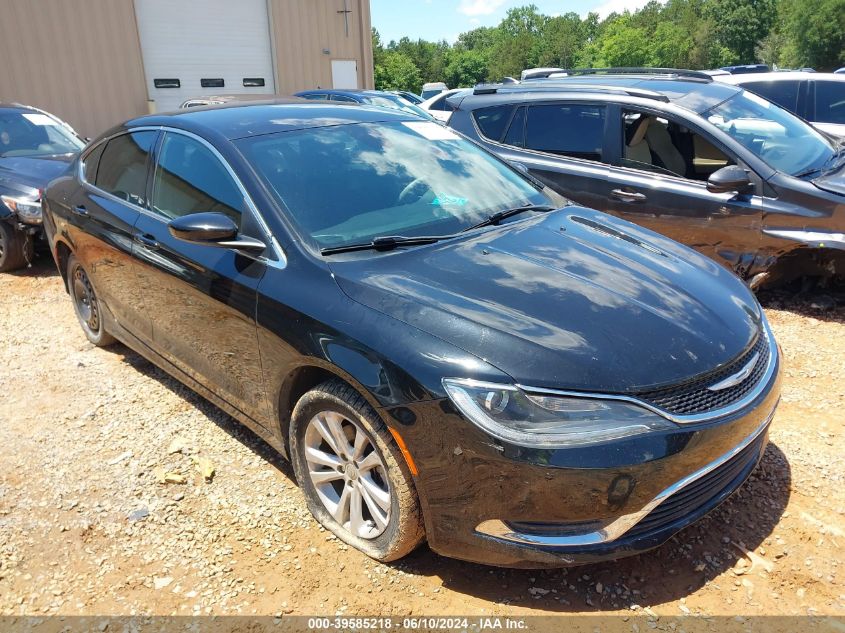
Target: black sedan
(445, 350)
(35, 147)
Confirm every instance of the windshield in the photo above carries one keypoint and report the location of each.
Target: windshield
(397, 103)
(346, 184)
(784, 141)
(35, 134)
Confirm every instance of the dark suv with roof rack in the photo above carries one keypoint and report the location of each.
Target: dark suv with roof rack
(713, 166)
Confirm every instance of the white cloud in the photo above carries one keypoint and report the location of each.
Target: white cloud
(479, 7)
(617, 6)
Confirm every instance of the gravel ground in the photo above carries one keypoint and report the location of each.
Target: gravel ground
(94, 519)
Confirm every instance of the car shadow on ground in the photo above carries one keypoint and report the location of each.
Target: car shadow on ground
(42, 266)
(822, 303)
(697, 555)
(211, 411)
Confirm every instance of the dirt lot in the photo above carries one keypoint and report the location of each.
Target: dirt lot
(86, 527)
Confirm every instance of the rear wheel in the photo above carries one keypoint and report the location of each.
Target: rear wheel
(354, 478)
(12, 245)
(86, 304)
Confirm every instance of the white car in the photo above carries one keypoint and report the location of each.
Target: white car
(437, 106)
(817, 97)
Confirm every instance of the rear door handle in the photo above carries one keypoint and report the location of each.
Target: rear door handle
(80, 210)
(628, 196)
(147, 241)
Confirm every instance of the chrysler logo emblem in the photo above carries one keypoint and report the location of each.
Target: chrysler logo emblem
(738, 377)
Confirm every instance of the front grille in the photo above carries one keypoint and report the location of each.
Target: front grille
(694, 396)
(709, 490)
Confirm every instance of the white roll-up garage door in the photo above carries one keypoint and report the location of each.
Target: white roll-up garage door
(194, 48)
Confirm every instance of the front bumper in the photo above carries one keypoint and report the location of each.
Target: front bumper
(494, 503)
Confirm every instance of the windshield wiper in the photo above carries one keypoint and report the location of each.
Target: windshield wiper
(384, 243)
(506, 213)
(830, 164)
(808, 172)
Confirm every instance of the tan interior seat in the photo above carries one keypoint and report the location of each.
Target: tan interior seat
(660, 142)
(638, 148)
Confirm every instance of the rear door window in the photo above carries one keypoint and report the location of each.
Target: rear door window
(566, 129)
(441, 104)
(122, 169)
(830, 102)
(783, 93)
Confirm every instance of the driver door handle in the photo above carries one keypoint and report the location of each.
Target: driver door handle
(148, 241)
(628, 196)
(80, 210)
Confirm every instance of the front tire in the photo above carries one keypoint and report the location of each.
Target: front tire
(87, 306)
(12, 248)
(355, 480)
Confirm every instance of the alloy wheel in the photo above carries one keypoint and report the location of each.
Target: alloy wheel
(348, 474)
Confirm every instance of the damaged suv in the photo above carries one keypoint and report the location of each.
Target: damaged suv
(711, 165)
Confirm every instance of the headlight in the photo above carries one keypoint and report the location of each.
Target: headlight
(27, 208)
(546, 421)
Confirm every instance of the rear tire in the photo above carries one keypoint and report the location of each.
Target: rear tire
(87, 306)
(12, 245)
(355, 480)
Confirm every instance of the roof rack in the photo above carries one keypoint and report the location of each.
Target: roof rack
(551, 86)
(679, 73)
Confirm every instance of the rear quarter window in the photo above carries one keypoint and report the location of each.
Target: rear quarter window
(122, 171)
(830, 102)
(493, 121)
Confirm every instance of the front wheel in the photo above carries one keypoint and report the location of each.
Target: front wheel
(12, 248)
(355, 480)
(86, 304)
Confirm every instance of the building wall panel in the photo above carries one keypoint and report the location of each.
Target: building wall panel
(303, 30)
(79, 59)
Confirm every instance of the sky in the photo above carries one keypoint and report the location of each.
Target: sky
(446, 19)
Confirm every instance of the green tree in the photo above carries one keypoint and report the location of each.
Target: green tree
(517, 43)
(817, 32)
(562, 39)
(621, 44)
(671, 46)
(480, 39)
(741, 24)
(397, 72)
(378, 48)
(465, 68)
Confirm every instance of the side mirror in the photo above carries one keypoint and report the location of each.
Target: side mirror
(212, 229)
(730, 179)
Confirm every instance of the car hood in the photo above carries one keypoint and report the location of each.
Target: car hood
(32, 172)
(573, 299)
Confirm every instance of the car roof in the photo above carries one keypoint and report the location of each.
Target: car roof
(18, 107)
(781, 76)
(242, 119)
(351, 92)
(697, 95)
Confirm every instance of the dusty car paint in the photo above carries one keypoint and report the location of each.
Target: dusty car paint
(784, 228)
(571, 299)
